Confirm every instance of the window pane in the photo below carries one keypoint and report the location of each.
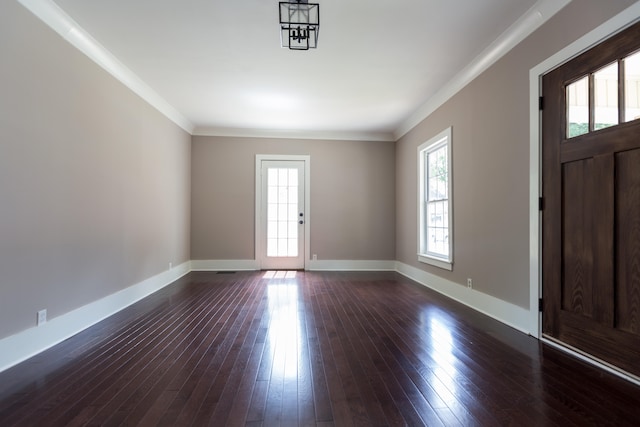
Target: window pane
(431, 215)
(438, 241)
(282, 229)
(437, 177)
(272, 212)
(283, 177)
(445, 183)
(433, 189)
(437, 228)
(272, 194)
(283, 194)
(438, 221)
(282, 212)
(272, 229)
(272, 247)
(433, 242)
(432, 164)
(442, 187)
(272, 176)
(292, 215)
(632, 87)
(578, 107)
(606, 97)
(293, 177)
(283, 246)
(445, 215)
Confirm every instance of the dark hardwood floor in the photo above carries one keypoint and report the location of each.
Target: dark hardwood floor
(314, 349)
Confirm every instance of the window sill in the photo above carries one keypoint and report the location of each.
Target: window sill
(436, 262)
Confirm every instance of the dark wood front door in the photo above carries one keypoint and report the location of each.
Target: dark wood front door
(591, 212)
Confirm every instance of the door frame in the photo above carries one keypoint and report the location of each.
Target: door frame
(258, 202)
(609, 28)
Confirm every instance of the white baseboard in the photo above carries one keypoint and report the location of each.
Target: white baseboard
(23, 345)
(225, 265)
(354, 265)
(507, 313)
(17, 348)
(318, 265)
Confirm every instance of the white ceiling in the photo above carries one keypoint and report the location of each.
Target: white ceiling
(219, 64)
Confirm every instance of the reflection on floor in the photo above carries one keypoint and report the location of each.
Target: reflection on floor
(287, 348)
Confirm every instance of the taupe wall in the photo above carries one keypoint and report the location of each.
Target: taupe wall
(352, 197)
(96, 192)
(490, 119)
(94, 183)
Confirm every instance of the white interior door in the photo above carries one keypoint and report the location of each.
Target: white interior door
(281, 236)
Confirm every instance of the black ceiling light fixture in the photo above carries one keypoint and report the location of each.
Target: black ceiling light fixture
(299, 24)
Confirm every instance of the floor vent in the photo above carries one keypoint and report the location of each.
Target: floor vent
(226, 272)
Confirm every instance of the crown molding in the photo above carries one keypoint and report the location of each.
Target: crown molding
(518, 31)
(52, 15)
(295, 134)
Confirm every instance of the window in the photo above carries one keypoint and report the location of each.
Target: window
(435, 242)
(604, 98)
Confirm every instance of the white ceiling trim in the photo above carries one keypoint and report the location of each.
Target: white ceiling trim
(294, 134)
(52, 15)
(518, 31)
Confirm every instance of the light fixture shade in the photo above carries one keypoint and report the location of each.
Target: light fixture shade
(299, 25)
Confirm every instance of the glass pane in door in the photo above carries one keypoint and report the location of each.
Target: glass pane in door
(578, 107)
(632, 87)
(282, 212)
(605, 82)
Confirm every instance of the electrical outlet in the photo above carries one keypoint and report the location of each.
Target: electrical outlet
(170, 265)
(42, 317)
(315, 257)
(469, 283)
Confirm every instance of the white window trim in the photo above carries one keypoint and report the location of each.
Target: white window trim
(443, 138)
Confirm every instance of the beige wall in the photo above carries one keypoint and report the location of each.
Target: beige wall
(94, 183)
(352, 197)
(490, 119)
(98, 191)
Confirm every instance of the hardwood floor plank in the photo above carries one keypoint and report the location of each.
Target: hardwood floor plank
(354, 345)
(258, 402)
(115, 360)
(241, 404)
(225, 390)
(195, 391)
(402, 348)
(134, 391)
(306, 410)
(318, 349)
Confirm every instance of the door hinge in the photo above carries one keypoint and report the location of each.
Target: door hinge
(541, 203)
(540, 305)
(541, 103)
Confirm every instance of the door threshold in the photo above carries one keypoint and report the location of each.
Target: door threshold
(592, 360)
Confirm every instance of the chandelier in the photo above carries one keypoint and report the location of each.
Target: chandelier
(299, 24)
